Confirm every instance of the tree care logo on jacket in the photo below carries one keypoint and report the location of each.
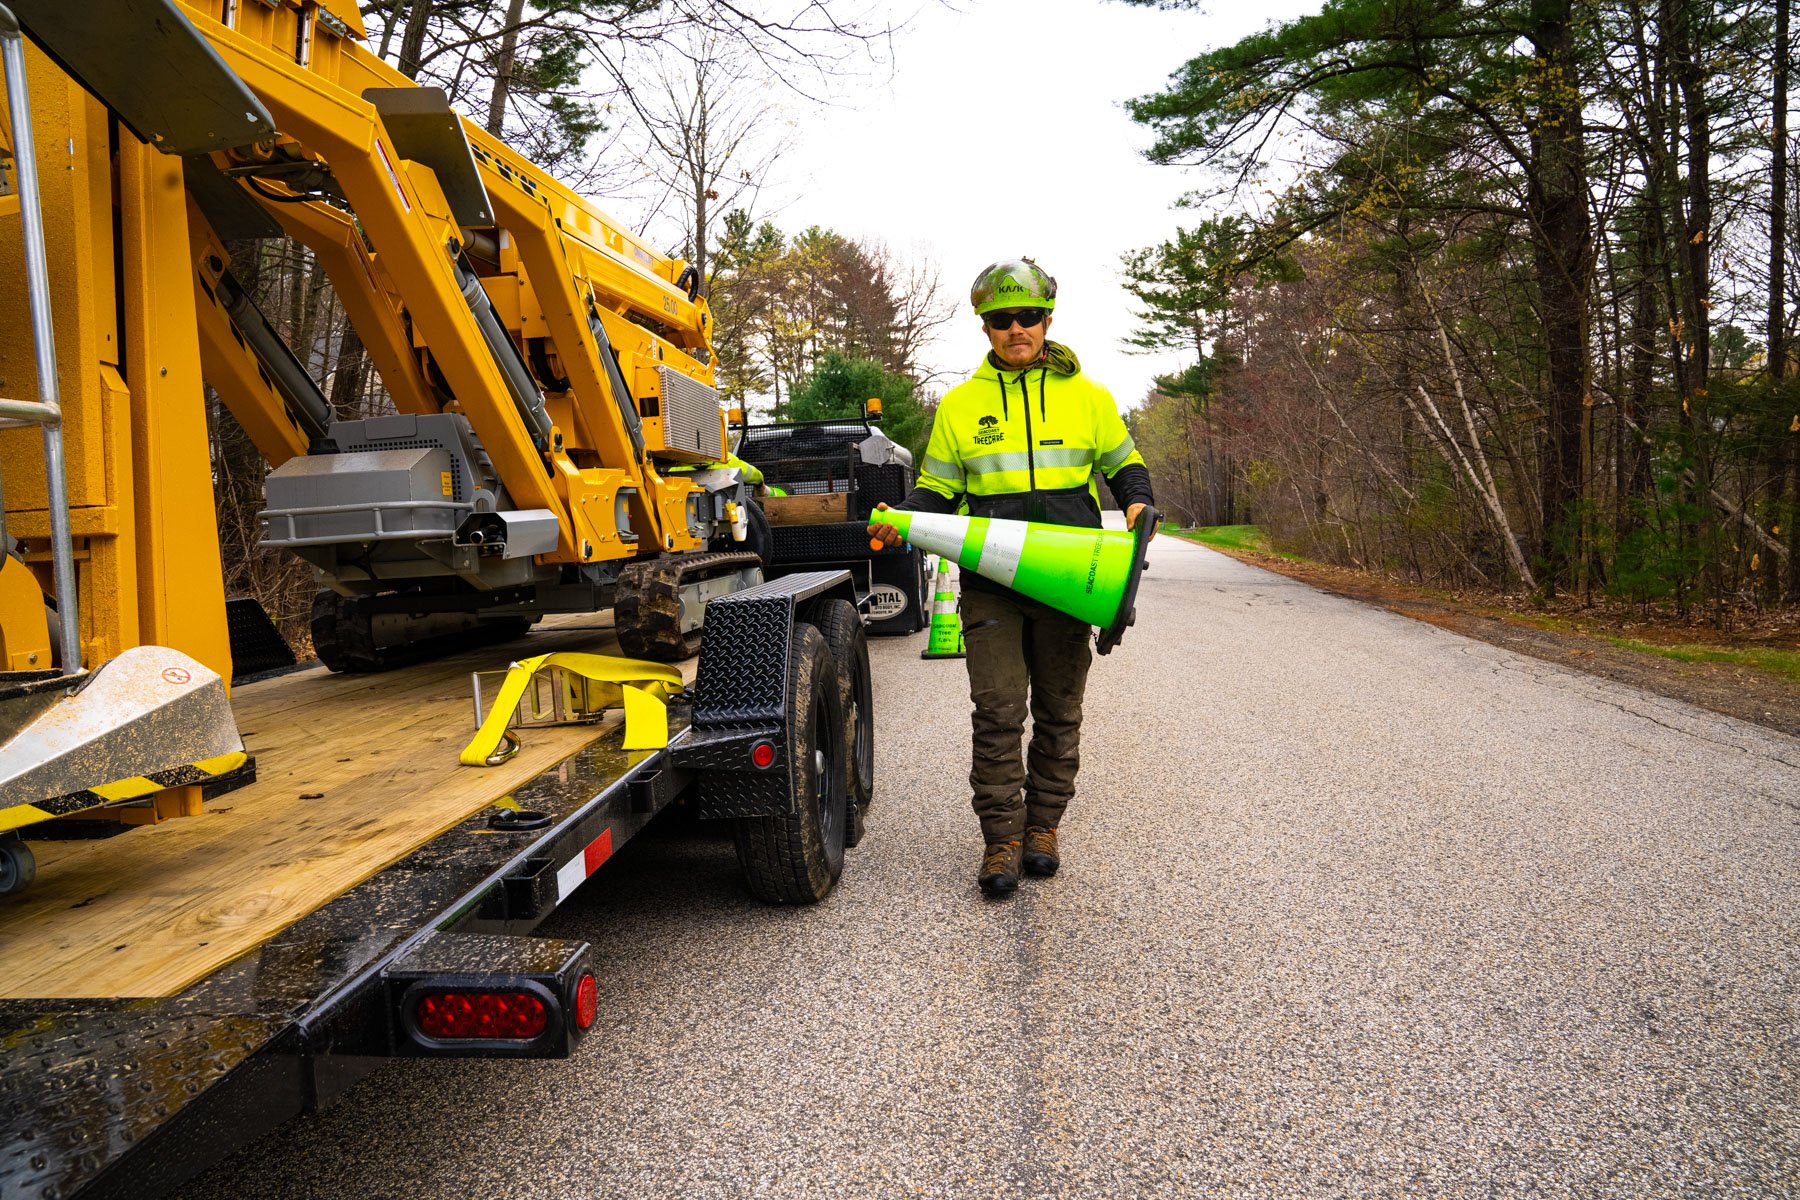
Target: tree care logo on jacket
(990, 431)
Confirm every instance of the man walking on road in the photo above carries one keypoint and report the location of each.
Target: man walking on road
(1021, 440)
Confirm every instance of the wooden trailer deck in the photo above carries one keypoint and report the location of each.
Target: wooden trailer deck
(353, 773)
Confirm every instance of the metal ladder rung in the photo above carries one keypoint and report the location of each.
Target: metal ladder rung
(15, 414)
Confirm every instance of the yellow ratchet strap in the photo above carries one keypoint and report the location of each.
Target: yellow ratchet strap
(641, 688)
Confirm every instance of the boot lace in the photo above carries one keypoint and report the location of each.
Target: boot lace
(999, 858)
(1040, 841)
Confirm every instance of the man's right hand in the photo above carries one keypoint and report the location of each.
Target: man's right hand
(886, 535)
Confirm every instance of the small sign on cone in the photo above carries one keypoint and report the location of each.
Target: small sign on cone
(1090, 574)
(946, 626)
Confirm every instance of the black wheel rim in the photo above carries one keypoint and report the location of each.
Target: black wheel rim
(822, 768)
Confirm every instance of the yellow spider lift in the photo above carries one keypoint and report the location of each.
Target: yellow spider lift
(549, 373)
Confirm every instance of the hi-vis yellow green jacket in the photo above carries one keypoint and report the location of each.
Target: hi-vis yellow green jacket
(1024, 445)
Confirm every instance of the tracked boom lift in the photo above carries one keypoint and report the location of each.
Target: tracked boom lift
(555, 436)
(547, 366)
(149, 727)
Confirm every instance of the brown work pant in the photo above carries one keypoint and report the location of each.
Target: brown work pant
(1019, 648)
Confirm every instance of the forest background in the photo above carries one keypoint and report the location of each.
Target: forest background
(1492, 294)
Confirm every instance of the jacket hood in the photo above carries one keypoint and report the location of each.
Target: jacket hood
(1057, 358)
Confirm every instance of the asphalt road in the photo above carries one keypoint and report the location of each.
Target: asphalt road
(1350, 906)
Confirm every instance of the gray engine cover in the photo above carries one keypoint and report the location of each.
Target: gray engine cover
(387, 507)
(363, 496)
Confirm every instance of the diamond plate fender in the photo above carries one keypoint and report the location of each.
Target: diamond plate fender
(740, 695)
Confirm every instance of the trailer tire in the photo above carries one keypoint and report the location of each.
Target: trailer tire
(843, 628)
(18, 866)
(796, 857)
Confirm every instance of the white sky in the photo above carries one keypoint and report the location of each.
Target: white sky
(1003, 132)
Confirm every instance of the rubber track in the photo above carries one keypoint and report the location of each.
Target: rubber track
(341, 634)
(344, 640)
(647, 605)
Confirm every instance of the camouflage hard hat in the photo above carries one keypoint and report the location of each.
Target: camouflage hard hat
(1012, 283)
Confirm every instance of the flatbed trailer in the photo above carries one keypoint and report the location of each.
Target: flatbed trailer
(168, 996)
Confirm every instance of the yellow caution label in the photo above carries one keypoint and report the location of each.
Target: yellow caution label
(22, 814)
(225, 762)
(446, 482)
(139, 786)
(127, 789)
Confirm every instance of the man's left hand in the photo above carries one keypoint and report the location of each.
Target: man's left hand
(1131, 519)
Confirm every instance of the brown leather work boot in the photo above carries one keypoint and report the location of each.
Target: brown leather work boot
(999, 868)
(1041, 857)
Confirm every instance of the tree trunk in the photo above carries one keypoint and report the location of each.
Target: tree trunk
(503, 68)
(1787, 460)
(1689, 28)
(1690, 75)
(1563, 253)
(1212, 475)
(412, 38)
(1634, 457)
(700, 219)
(1778, 198)
(1189, 462)
(1404, 382)
(350, 376)
(702, 171)
(393, 22)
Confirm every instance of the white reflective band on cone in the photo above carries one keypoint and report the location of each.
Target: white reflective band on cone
(938, 533)
(1000, 550)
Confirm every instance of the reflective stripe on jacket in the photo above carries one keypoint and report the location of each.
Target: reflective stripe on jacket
(1025, 444)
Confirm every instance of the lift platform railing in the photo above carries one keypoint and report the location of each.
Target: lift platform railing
(46, 410)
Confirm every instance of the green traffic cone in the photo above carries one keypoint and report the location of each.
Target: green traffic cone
(1090, 574)
(946, 626)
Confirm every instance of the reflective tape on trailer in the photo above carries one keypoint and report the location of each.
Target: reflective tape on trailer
(574, 873)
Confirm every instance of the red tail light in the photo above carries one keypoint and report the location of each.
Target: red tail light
(502, 1015)
(763, 754)
(587, 1002)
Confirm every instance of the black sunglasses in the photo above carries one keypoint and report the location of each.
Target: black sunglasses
(1028, 318)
